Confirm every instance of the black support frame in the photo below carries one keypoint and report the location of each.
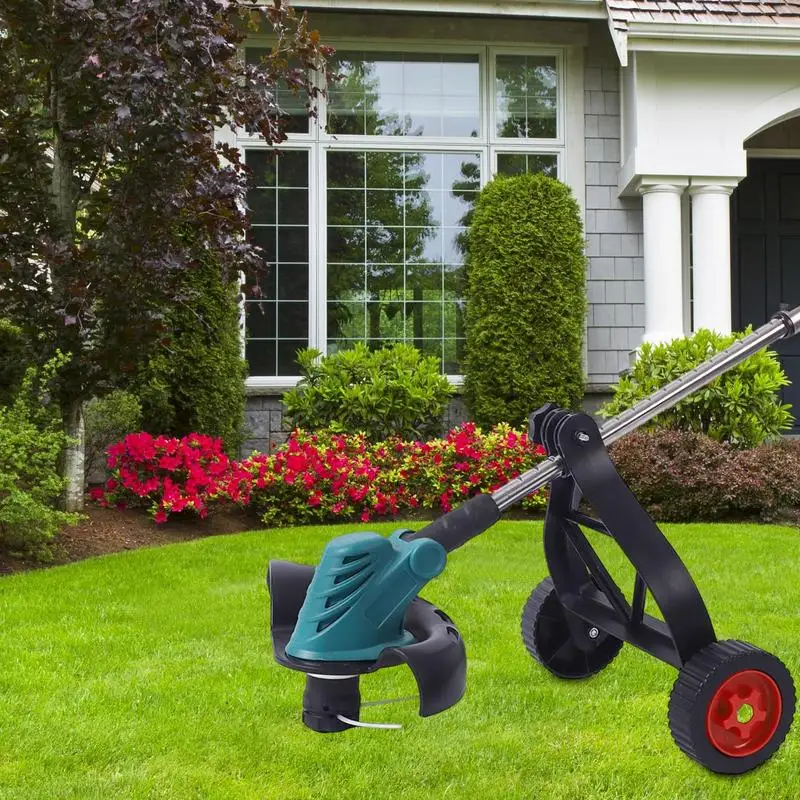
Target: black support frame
(584, 586)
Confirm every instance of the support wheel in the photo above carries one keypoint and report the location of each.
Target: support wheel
(731, 706)
(550, 640)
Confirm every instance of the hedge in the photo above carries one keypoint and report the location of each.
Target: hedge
(683, 476)
(742, 406)
(390, 391)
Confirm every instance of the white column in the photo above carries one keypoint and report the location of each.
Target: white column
(711, 257)
(663, 262)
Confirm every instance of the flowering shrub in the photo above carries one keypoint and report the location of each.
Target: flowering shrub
(325, 476)
(169, 475)
(317, 477)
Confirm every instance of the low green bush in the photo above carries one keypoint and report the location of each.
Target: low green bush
(741, 407)
(107, 420)
(526, 300)
(31, 443)
(393, 391)
(682, 476)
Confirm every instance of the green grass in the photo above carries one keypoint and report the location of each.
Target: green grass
(150, 675)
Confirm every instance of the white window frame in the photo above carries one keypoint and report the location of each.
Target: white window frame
(566, 147)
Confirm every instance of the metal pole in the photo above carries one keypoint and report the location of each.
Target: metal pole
(783, 325)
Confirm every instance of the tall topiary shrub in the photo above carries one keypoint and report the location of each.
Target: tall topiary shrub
(195, 380)
(526, 299)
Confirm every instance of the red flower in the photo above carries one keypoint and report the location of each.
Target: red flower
(97, 494)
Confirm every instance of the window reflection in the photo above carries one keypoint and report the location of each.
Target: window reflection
(397, 221)
(396, 227)
(404, 94)
(526, 96)
(296, 119)
(520, 163)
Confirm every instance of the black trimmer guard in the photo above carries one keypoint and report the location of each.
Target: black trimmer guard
(438, 659)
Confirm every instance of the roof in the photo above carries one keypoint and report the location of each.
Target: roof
(748, 25)
(712, 12)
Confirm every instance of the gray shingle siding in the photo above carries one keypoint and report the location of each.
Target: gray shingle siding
(615, 283)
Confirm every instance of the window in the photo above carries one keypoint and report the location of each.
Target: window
(519, 163)
(363, 216)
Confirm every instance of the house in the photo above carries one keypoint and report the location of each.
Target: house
(675, 123)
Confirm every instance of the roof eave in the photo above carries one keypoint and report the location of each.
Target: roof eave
(751, 32)
(560, 9)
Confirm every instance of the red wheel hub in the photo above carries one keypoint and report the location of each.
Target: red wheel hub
(744, 713)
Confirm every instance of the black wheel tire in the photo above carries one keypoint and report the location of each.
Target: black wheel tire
(548, 638)
(731, 707)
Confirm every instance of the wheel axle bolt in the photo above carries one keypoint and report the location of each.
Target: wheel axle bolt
(582, 437)
(593, 633)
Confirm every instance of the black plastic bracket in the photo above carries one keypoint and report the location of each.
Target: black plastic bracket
(582, 582)
(437, 659)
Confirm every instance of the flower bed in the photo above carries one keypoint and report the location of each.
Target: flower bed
(317, 477)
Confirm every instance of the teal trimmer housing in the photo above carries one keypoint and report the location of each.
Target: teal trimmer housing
(358, 598)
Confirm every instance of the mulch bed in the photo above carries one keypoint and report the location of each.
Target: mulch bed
(107, 530)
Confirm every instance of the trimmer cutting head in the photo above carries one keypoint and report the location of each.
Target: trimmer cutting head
(359, 612)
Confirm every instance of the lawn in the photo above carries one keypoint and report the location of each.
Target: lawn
(149, 675)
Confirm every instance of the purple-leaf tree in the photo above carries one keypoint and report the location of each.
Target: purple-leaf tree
(112, 185)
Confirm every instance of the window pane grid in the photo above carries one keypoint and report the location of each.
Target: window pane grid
(526, 96)
(277, 322)
(518, 163)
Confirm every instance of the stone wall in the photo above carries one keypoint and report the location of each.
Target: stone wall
(266, 428)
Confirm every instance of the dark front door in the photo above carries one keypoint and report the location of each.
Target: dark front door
(766, 255)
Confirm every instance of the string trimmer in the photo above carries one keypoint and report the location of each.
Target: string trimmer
(359, 611)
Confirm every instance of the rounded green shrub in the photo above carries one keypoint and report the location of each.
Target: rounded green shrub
(393, 391)
(195, 381)
(526, 300)
(741, 407)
